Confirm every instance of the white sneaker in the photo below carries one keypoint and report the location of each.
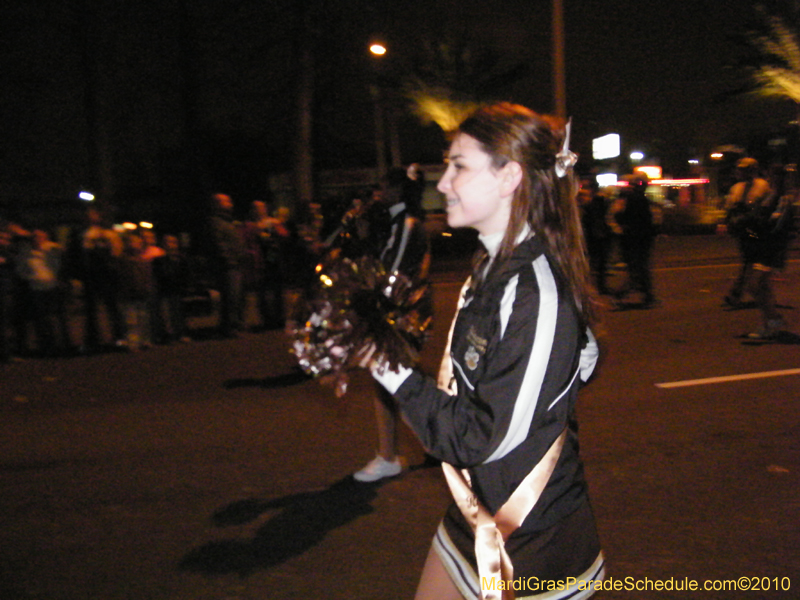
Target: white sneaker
(378, 468)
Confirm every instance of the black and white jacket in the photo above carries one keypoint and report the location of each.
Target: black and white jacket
(406, 245)
(519, 356)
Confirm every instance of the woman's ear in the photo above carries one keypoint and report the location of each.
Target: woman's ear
(510, 177)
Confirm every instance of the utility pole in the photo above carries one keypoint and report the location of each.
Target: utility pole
(559, 76)
(303, 146)
(380, 130)
(383, 116)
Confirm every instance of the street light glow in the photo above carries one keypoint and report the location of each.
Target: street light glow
(606, 146)
(606, 179)
(637, 155)
(378, 49)
(652, 172)
(88, 196)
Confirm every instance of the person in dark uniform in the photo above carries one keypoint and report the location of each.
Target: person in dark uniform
(501, 417)
(396, 234)
(597, 233)
(636, 241)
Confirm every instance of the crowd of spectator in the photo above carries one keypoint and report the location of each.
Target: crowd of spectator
(100, 287)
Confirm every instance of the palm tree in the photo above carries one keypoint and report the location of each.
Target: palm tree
(448, 79)
(773, 63)
(776, 71)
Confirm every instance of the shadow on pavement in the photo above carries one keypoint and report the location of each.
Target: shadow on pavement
(303, 521)
(296, 377)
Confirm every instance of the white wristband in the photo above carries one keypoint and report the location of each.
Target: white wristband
(389, 379)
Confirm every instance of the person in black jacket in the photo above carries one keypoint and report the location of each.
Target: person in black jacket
(172, 274)
(396, 235)
(101, 255)
(501, 416)
(597, 233)
(636, 241)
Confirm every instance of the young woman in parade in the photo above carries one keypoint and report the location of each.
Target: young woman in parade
(501, 418)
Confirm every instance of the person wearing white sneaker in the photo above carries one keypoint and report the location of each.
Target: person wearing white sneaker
(402, 246)
(379, 468)
(771, 228)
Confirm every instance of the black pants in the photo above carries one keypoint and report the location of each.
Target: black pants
(636, 252)
(96, 293)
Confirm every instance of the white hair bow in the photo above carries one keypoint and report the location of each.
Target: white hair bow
(566, 158)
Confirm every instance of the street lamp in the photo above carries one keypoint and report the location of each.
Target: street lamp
(383, 117)
(378, 50)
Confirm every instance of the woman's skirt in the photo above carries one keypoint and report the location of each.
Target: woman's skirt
(559, 563)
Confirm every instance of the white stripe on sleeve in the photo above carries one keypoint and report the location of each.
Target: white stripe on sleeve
(530, 390)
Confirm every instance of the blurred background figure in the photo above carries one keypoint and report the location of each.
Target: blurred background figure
(597, 233)
(21, 308)
(150, 251)
(751, 190)
(101, 252)
(402, 245)
(341, 232)
(770, 227)
(39, 266)
(312, 228)
(264, 271)
(6, 281)
(172, 275)
(136, 290)
(636, 240)
(299, 254)
(414, 191)
(227, 259)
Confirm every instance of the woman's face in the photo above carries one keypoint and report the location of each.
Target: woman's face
(478, 195)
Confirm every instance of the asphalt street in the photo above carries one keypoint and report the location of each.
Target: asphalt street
(215, 471)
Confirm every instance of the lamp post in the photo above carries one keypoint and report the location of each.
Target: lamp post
(383, 119)
(559, 75)
(380, 135)
(378, 50)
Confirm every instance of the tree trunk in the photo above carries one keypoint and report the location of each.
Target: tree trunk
(303, 150)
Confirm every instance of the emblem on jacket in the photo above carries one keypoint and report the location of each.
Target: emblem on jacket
(477, 347)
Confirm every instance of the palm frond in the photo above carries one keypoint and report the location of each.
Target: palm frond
(776, 70)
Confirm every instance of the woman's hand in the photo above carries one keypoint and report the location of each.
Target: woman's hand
(365, 356)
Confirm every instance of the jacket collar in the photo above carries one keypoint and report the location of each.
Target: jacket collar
(524, 253)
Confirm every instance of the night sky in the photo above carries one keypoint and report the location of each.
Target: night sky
(176, 91)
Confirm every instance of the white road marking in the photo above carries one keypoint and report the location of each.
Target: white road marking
(727, 378)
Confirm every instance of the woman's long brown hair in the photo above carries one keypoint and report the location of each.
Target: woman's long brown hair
(547, 203)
